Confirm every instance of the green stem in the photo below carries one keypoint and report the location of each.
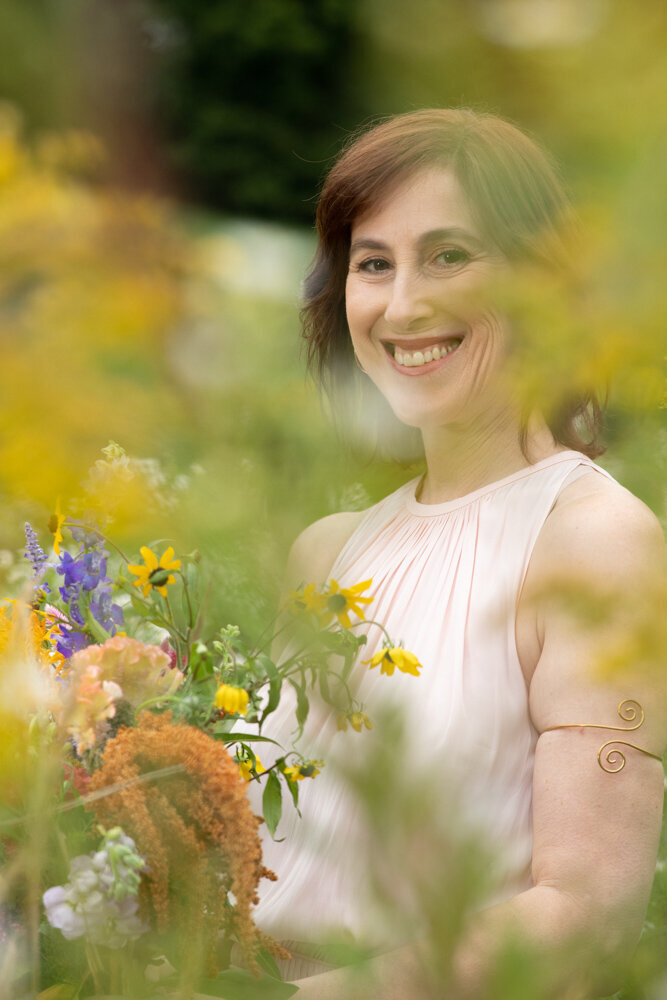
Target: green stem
(186, 591)
(105, 538)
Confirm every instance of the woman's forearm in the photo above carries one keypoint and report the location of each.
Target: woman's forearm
(559, 931)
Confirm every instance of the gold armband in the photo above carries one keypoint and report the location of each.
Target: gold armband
(614, 760)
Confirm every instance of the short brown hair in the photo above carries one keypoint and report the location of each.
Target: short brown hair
(514, 194)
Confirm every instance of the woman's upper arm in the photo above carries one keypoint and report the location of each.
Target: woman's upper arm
(315, 550)
(597, 825)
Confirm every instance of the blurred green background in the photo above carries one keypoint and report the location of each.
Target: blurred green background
(150, 291)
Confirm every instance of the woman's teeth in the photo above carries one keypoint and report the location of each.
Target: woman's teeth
(414, 359)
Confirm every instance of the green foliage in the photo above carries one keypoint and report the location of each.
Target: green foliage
(253, 97)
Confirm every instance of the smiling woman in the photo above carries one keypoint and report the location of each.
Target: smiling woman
(501, 204)
(505, 569)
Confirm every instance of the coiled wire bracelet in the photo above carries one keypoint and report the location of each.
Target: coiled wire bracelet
(614, 759)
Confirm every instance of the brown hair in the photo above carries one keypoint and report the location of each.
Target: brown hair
(515, 196)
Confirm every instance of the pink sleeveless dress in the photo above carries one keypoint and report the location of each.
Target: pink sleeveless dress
(446, 582)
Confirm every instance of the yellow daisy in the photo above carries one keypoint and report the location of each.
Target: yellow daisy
(246, 768)
(341, 601)
(391, 657)
(154, 573)
(308, 769)
(308, 601)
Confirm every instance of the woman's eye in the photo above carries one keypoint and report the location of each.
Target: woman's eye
(373, 265)
(452, 257)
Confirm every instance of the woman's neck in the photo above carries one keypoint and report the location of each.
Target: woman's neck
(460, 459)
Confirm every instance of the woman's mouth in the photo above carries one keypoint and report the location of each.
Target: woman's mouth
(423, 355)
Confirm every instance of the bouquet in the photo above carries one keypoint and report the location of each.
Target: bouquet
(126, 818)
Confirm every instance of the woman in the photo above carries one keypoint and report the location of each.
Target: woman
(424, 224)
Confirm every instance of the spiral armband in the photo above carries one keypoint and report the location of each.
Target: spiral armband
(613, 760)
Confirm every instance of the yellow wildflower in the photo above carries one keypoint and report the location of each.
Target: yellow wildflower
(246, 768)
(56, 522)
(343, 600)
(308, 769)
(155, 573)
(391, 657)
(356, 719)
(231, 700)
(308, 600)
(37, 630)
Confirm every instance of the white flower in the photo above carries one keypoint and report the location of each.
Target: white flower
(100, 899)
(61, 914)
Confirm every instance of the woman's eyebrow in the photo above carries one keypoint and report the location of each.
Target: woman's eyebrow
(426, 239)
(448, 233)
(366, 243)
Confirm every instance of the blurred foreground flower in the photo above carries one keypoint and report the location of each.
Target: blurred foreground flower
(391, 657)
(25, 630)
(307, 769)
(196, 829)
(100, 899)
(333, 602)
(102, 675)
(358, 721)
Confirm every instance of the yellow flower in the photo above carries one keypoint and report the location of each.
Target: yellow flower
(356, 719)
(56, 522)
(343, 600)
(308, 769)
(231, 700)
(390, 658)
(155, 573)
(308, 600)
(37, 630)
(246, 768)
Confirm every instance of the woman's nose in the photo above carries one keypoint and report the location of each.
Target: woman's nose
(408, 304)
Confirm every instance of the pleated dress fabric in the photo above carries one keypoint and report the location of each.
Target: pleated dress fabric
(446, 580)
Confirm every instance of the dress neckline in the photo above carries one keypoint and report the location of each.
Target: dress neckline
(432, 509)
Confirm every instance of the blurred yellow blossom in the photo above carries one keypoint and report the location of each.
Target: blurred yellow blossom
(29, 632)
(358, 720)
(389, 658)
(343, 601)
(56, 522)
(308, 600)
(307, 769)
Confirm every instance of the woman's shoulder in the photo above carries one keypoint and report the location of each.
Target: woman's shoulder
(600, 527)
(315, 550)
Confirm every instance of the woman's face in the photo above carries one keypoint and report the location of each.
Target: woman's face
(418, 303)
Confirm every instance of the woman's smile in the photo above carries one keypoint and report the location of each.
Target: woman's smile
(421, 355)
(417, 301)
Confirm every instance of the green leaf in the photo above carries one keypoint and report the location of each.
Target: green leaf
(294, 791)
(268, 666)
(302, 703)
(237, 984)
(243, 737)
(274, 697)
(267, 962)
(139, 607)
(272, 802)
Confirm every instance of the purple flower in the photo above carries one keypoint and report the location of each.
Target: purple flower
(86, 587)
(34, 552)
